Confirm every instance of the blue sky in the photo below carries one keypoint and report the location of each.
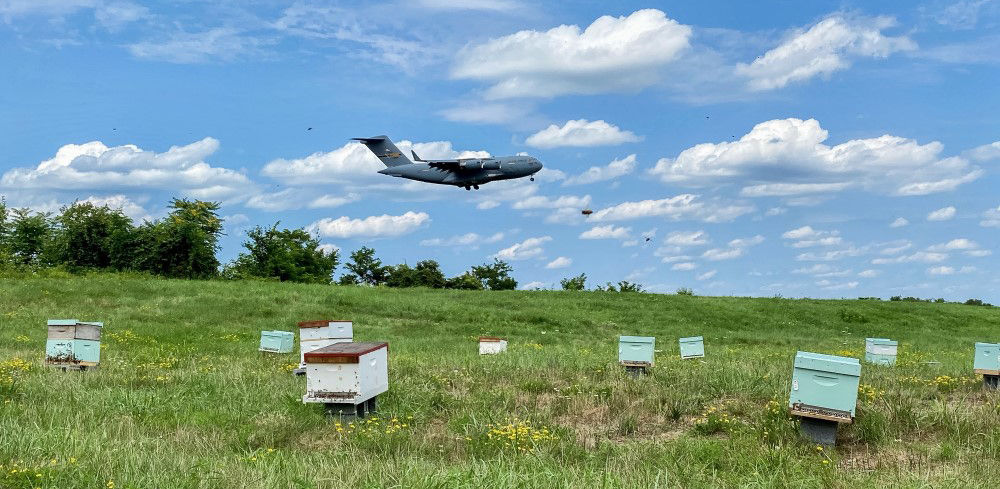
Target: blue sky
(826, 149)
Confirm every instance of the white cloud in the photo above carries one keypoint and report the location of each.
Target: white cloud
(109, 13)
(716, 254)
(920, 256)
(959, 244)
(371, 227)
(684, 206)
(676, 258)
(582, 133)
(96, 166)
(687, 238)
(824, 48)
(775, 211)
(830, 255)
(991, 218)
(899, 222)
(561, 262)
(827, 285)
(746, 242)
(611, 55)
(471, 240)
(900, 246)
(609, 231)
(329, 201)
(542, 202)
(514, 114)
(787, 156)
(487, 204)
(219, 43)
(529, 248)
(533, 285)
(121, 202)
(979, 253)
(614, 170)
(985, 152)
(353, 161)
(328, 248)
(942, 270)
(684, 266)
(808, 237)
(707, 275)
(869, 273)
(942, 214)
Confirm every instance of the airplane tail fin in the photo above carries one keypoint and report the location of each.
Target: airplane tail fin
(384, 149)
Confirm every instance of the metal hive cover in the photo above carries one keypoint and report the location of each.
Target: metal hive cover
(345, 350)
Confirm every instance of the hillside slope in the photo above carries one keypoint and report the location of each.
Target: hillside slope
(184, 399)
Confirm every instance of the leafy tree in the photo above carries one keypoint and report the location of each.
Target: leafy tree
(89, 236)
(401, 276)
(349, 279)
(465, 281)
(685, 291)
(428, 274)
(626, 286)
(28, 236)
(181, 245)
(288, 255)
(368, 269)
(578, 282)
(496, 275)
(4, 230)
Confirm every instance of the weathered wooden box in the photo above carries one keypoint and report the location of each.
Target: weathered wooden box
(491, 345)
(825, 387)
(692, 347)
(72, 343)
(318, 334)
(636, 351)
(277, 341)
(987, 359)
(881, 351)
(347, 373)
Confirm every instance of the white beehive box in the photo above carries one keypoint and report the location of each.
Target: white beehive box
(318, 334)
(346, 373)
(491, 345)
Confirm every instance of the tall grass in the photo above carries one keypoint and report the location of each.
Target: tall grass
(184, 399)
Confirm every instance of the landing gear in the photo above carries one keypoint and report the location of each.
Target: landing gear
(475, 187)
(468, 187)
(532, 179)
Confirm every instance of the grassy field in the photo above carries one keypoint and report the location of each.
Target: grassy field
(184, 399)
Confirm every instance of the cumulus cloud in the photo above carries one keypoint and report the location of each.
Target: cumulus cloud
(899, 222)
(828, 285)
(942, 214)
(613, 170)
(737, 248)
(369, 227)
(529, 248)
(471, 240)
(707, 275)
(920, 256)
(824, 48)
(959, 244)
(353, 161)
(542, 202)
(613, 54)
(991, 218)
(684, 206)
(684, 266)
(582, 133)
(785, 157)
(945, 270)
(985, 152)
(833, 255)
(807, 237)
(687, 238)
(869, 273)
(96, 166)
(606, 232)
(561, 262)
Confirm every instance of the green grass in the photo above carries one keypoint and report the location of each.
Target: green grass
(184, 399)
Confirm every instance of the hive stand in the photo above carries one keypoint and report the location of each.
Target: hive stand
(991, 381)
(635, 369)
(359, 410)
(819, 431)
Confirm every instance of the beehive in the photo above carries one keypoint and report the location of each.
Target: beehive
(692, 347)
(318, 334)
(347, 373)
(491, 345)
(825, 387)
(72, 343)
(277, 341)
(881, 351)
(636, 351)
(987, 359)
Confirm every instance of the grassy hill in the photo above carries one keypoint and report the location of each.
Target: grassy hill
(184, 399)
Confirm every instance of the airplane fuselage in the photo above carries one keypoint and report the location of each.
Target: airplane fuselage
(468, 172)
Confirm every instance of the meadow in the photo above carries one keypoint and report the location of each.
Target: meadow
(183, 399)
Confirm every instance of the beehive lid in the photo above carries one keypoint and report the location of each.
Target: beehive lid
(882, 341)
(986, 345)
(489, 339)
(692, 339)
(347, 351)
(828, 363)
(636, 339)
(276, 333)
(91, 323)
(63, 322)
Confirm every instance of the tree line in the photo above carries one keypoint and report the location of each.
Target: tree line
(184, 244)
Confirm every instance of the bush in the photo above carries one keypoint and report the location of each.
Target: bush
(685, 291)
(28, 236)
(89, 236)
(496, 275)
(574, 283)
(287, 255)
(183, 245)
(465, 281)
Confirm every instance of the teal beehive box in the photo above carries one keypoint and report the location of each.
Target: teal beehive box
(636, 351)
(987, 359)
(72, 343)
(881, 351)
(692, 347)
(825, 387)
(277, 341)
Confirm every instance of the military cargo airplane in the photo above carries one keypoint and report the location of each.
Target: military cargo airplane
(463, 172)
